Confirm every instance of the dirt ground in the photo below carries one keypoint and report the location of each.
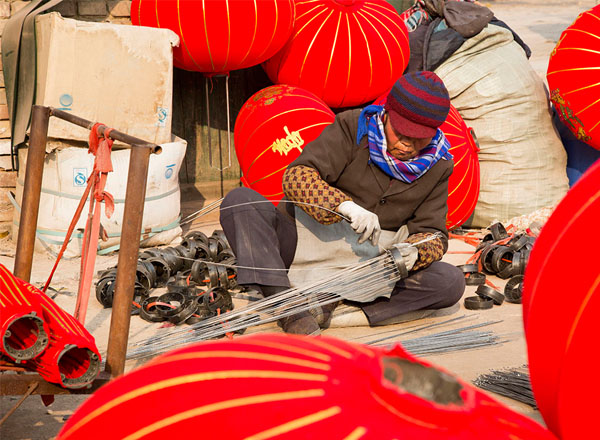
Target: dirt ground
(539, 23)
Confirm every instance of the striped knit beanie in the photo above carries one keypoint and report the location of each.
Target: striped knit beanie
(418, 104)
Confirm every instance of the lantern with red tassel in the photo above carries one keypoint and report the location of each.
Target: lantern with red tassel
(572, 75)
(561, 305)
(271, 130)
(219, 36)
(347, 52)
(463, 184)
(295, 387)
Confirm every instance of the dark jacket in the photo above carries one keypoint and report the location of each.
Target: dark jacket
(421, 205)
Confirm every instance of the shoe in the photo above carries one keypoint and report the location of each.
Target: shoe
(303, 323)
(323, 314)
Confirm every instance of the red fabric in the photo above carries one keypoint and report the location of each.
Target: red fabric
(101, 147)
(345, 52)
(219, 36)
(561, 305)
(572, 76)
(292, 387)
(271, 130)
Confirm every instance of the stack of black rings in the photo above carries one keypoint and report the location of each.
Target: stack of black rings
(503, 255)
(196, 287)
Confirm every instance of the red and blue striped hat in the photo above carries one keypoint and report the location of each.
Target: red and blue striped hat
(418, 104)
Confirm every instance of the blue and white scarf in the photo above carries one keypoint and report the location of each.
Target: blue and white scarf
(370, 123)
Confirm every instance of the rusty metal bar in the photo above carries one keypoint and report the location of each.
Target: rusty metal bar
(32, 188)
(114, 134)
(12, 384)
(127, 263)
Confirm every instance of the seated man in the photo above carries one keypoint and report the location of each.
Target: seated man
(379, 167)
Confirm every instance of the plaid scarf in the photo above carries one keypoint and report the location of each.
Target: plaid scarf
(370, 123)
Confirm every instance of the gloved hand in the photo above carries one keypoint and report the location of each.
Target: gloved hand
(410, 254)
(361, 220)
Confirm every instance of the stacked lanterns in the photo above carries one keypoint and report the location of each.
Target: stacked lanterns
(561, 305)
(266, 386)
(43, 337)
(271, 130)
(219, 36)
(572, 76)
(463, 185)
(347, 52)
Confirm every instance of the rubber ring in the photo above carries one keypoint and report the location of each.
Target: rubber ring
(468, 268)
(478, 303)
(489, 293)
(474, 278)
(498, 231)
(513, 291)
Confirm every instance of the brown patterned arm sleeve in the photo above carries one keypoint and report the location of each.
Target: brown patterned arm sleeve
(304, 184)
(429, 251)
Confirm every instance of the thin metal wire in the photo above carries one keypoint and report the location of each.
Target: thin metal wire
(376, 276)
(188, 219)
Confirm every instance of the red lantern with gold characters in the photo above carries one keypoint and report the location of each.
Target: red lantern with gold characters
(347, 52)
(219, 36)
(267, 386)
(573, 72)
(271, 130)
(463, 184)
(561, 305)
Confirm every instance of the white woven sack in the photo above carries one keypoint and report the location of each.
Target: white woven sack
(497, 92)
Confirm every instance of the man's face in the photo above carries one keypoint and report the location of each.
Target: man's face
(400, 146)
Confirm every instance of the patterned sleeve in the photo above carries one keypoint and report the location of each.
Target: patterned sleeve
(429, 251)
(304, 184)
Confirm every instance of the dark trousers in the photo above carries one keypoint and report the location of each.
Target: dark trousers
(264, 240)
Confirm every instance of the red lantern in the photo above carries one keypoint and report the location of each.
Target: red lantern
(271, 130)
(266, 386)
(219, 36)
(561, 305)
(572, 76)
(347, 52)
(23, 332)
(463, 185)
(69, 356)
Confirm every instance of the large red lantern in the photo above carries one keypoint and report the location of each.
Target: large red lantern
(347, 52)
(463, 185)
(271, 130)
(573, 72)
(219, 36)
(267, 386)
(561, 305)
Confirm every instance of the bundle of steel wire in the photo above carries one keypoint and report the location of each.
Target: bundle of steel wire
(451, 340)
(514, 384)
(360, 282)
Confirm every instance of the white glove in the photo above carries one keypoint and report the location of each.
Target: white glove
(361, 220)
(410, 254)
